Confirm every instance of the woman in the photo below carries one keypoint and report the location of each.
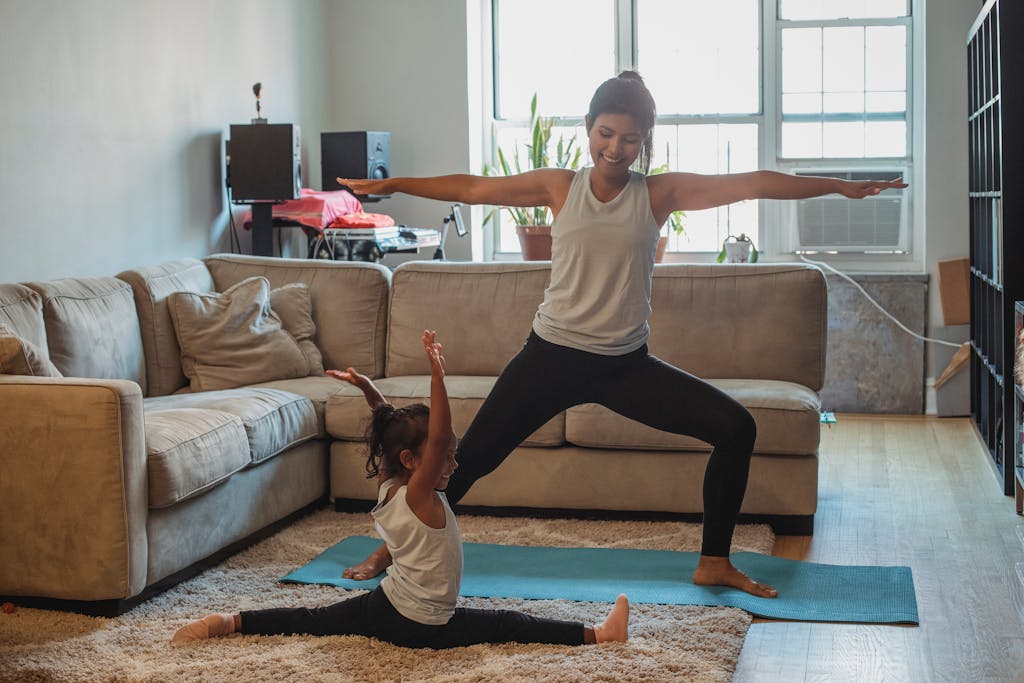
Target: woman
(589, 339)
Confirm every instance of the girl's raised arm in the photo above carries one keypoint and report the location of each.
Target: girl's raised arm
(439, 445)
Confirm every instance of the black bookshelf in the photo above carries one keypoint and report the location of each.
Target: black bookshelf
(995, 102)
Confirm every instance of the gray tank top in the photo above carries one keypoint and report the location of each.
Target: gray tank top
(602, 262)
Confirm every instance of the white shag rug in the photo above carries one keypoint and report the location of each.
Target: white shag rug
(667, 642)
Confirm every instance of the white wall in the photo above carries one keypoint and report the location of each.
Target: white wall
(402, 66)
(112, 118)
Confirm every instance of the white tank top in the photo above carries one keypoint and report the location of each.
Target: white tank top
(426, 570)
(602, 262)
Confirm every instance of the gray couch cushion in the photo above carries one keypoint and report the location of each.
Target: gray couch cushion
(274, 420)
(151, 286)
(483, 312)
(19, 356)
(234, 339)
(744, 321)
(92, 329)
(21, 309)
(787, 417)
(190, 451)
(316, 389)
(348, 413)
(350, 302)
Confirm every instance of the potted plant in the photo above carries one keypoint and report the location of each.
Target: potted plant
(738, 250)
(533, 225)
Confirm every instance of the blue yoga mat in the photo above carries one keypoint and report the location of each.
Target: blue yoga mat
(807, 591)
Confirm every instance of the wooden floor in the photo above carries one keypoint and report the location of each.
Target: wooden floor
(914, 491)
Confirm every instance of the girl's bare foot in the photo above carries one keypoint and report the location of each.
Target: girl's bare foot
(615, 628)
(718, 571)
(208, 627)
(378, 561)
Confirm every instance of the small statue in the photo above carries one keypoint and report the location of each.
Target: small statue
(257, 90)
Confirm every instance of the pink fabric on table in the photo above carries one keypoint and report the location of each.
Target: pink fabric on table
(363, 220)
(313, 209)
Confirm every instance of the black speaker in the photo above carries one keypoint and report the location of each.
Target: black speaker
(355, 154)
(264, 162)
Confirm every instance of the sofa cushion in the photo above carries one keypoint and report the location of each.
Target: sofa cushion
(92, 329)
(482, 311)
(151, 286)
(787, 417)
(274, 420)
(316, 389)
(348, 414)
(19, 356)
(350, 302)
(234, 339)
(295, 309)
(21, 309)
(190, 451)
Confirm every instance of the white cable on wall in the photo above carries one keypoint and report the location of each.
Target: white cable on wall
(879, 306)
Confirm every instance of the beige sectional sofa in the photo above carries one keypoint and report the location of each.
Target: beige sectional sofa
(116, 480)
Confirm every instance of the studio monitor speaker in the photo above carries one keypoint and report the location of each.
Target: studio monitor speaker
(264, 162)
(354, 154)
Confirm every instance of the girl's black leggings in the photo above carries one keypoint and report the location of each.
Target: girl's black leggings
(373, 615)
(544, 379)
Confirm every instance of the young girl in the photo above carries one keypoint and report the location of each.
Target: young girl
(412, 453)
(589, 338)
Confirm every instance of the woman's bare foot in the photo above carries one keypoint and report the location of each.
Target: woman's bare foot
(615, 628)
(378, 561)
(718, 571)
(210, 626)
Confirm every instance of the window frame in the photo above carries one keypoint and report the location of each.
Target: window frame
(779, 241)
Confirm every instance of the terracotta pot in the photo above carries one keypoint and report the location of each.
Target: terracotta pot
(659, 255)
(535, 241)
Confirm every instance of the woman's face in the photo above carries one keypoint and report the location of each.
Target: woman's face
(615, 142)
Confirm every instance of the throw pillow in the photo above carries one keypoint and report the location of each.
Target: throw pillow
(234, 338)
(293, 305)
(19, 356)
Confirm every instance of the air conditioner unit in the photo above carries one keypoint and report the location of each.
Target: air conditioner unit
(876, 224)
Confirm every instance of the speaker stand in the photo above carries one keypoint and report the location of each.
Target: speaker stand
(263, 229)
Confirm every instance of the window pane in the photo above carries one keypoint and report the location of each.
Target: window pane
(801, 104)
(885, 57)
(843, 58)
(885, 101)
(711, 149)
(842, 139)
(885, 138)
(538, 42)
(801, 60)
(801, 140)
(700, 58)
(842, 9)
(843, 102)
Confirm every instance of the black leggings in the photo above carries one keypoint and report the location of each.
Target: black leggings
(372, 615)
(544, 379)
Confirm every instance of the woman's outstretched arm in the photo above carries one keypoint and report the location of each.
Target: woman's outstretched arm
(692, 191)
(541, 187)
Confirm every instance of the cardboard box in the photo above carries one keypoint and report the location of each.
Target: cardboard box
(955, 291)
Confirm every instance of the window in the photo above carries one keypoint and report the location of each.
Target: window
(807, 86)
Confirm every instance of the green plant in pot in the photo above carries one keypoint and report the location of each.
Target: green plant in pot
(739, 249)
(533, 224)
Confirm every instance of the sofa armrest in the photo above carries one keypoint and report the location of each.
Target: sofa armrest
(73, 488)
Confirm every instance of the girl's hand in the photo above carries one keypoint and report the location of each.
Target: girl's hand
(434, 352)
(351, 376)
(867, 188)
(364, 186)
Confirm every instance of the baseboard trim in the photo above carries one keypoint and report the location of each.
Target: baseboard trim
(115, 608)
(782, 525)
